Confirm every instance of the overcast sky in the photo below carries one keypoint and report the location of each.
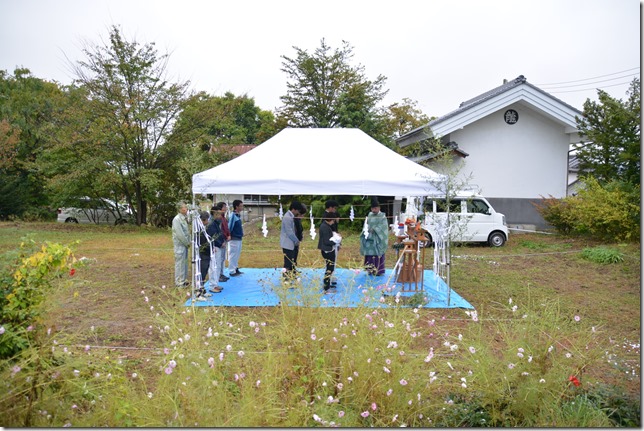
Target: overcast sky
(436, 52)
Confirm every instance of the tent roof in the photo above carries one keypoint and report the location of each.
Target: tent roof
(318, 162)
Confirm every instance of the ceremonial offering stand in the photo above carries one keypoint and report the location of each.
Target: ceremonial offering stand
(410, 269)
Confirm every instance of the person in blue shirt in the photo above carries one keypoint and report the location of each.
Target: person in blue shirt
(236, 234)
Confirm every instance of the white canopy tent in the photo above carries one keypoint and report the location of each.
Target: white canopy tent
(319, 162)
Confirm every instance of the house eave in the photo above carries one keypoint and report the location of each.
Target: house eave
(517, 91)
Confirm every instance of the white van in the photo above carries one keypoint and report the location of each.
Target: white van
(472, 219)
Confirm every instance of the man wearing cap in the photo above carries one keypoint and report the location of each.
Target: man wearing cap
(374, 246)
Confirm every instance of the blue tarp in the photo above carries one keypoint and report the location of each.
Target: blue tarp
(263, 287)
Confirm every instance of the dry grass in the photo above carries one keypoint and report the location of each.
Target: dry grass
(129, 260)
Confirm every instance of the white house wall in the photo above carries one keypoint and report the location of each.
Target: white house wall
(525, 160)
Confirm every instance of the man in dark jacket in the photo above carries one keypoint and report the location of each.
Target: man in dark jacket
(327, 247)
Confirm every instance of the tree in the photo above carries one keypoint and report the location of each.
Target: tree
(404, 117)
(27, 105)
(131, 109)
(324, 90)
(610, 129)
(219, 123)
(207, 131)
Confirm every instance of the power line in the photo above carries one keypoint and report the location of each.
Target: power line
(594, 82)
(587, 79)
(590, 88)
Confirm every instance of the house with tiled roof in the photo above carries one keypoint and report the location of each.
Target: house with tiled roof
(512, 143)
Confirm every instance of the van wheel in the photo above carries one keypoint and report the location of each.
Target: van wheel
(120, 222)
(496, 239)
(71, 220)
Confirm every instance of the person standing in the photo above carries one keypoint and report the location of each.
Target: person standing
(222, 208)
(374, 247)
(203, 245)
(289, 240)
(299, 233)
(217, 244)
(236, 235)
(181, 241)
(327, 247)
(331, 206)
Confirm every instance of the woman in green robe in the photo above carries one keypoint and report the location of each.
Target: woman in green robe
(374, 246)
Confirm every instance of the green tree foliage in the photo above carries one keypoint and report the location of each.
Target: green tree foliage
(118, 134)
(218, 124)
(608, 211)
(27, 105)
(209, 130)
(325, 90)
(404, 117)
(611, 131)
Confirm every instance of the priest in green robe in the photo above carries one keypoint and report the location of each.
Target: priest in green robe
(374, 240)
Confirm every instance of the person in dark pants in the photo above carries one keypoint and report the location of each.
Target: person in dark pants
(223, 208)
(236, 235)
(331, 206)
(327, 247)
(204, 258)
(289, 240)
(299, 233)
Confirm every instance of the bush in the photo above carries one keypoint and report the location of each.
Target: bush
(610, 212)
(603, 255)
(557, 213)
(26, 280)
(622, 410)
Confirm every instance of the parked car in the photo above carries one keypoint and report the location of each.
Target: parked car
(97, 211)
(472, 219)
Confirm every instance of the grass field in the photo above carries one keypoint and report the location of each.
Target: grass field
(105, 309)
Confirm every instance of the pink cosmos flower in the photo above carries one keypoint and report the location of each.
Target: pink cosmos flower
(168, 370)
(389, 392)
(365, 414)
(374, 406)
(403, 382)
(577, 318)
(340, 413)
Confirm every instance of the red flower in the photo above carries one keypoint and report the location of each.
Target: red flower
(72, 272)
(575, 381)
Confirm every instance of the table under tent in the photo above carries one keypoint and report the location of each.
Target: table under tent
(331, 162)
